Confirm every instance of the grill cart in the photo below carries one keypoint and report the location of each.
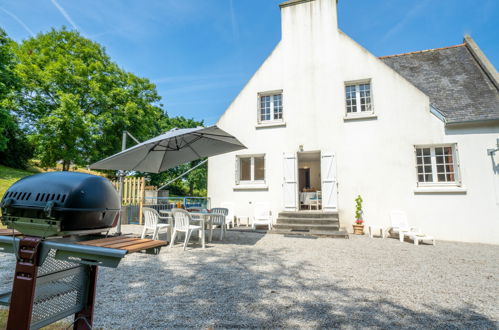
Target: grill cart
(57, 218)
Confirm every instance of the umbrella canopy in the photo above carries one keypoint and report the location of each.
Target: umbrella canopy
(173, 148)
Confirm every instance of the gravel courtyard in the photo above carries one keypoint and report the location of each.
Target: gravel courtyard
(253, 280)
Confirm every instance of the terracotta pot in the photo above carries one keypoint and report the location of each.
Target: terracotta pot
(358, 229)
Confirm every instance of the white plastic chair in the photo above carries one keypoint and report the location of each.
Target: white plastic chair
(229, 219)
(151, 222)
(218, 216)
(262, 215)
(400, 225)
(182, 220)
(315, 201)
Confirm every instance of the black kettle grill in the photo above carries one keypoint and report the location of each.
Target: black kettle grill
(59, 204)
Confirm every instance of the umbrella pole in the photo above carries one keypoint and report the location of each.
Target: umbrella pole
(120, 188)
(120, 192)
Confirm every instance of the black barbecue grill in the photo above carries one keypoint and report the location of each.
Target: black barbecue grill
(60, 215)
(60, 203)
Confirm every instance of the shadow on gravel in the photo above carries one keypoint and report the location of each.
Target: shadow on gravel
(251, 289)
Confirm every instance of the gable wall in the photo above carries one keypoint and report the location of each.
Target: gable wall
(375, 157)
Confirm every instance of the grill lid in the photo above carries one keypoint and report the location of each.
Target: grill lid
(63, 201)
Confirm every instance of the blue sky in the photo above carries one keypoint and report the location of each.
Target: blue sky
(200, 53)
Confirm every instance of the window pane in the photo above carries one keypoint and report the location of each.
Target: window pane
(259, 168)
(424, 169)
(245, 170)
(278, 106)
(264, 108)
(351, 98)
(365, 97)
(445, 164)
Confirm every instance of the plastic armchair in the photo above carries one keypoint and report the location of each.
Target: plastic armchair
(316, 201)
(182, 223)
(151, 222)
(229, 219)
(218, 216)
(262, 215)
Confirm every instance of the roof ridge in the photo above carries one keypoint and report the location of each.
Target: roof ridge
(423, 51)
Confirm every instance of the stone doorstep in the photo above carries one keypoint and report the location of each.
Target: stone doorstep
(307, 221)
(307, 226)
(317, 233)
(309, 215)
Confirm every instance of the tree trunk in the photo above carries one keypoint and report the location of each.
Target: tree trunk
(65, 165)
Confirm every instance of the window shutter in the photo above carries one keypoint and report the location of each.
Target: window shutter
(416, 165)
(237, 175)
(328, 184)
(458, 166)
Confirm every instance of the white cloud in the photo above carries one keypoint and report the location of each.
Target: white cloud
(18, 20)
(65, 14)
(410, 15)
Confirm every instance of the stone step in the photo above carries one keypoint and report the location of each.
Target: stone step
(314, 221)
(313, 233)
(308, 215)
(307, 227)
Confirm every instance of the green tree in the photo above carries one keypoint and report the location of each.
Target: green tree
(9, 82)
(15, 149)
(76, 101)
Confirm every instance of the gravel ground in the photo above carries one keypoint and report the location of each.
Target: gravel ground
(270, 281)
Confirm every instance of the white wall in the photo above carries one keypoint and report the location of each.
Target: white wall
(375, 157)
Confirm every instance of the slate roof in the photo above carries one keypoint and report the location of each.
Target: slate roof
(455, 78)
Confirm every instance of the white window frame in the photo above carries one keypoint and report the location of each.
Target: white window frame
(435, 183)
(252, 169)
(359, 112)
(272, 107)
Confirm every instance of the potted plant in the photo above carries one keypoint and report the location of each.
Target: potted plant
(358, 226)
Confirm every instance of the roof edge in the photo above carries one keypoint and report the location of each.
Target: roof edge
(478, 122)
(482, 60)
(422, 51)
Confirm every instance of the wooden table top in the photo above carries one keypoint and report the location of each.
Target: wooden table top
(130, 244)
(8, 232)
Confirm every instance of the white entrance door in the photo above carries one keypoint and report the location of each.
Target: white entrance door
(329, 182)
(290, 184)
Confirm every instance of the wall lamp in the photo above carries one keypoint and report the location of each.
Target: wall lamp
(491, 152)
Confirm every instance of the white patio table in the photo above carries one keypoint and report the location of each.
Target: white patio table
(203, 217)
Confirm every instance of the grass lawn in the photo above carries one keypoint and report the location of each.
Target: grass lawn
(10, 175)
(4, 313)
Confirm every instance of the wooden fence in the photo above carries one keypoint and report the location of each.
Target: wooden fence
(133, 192)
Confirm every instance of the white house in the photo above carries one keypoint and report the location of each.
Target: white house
(407, 132)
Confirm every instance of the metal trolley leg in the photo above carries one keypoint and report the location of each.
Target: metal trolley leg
(46, 289)
(23, 287)
(87, 313)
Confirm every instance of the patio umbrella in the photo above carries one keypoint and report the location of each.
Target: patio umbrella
(173, 148)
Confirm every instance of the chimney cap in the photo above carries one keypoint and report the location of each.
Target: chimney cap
(295, 2)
